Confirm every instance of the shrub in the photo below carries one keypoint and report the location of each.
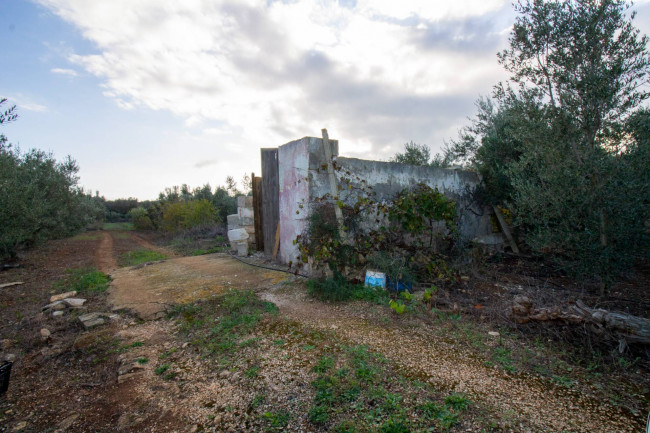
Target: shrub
(186, 215)
(140, 218)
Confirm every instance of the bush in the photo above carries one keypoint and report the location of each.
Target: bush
(187, 215)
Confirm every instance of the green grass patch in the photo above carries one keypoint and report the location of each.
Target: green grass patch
(83, 280)
(277, 421)
(252, 372)
(137, 257)
(118, 226)
(221, 326)
(142, 361)
(502, 356)
(162, 369)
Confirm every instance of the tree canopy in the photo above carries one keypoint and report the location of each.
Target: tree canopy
(562, 143)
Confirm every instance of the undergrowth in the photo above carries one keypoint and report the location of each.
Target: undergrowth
(337, 288)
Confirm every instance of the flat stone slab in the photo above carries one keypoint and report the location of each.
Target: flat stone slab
(74, 302)
(91, 320)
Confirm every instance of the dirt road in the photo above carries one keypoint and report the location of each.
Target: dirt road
(113, 373)
(149, 290)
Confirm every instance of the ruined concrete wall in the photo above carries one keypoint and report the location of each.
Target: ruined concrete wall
(304, 177)
(388, 179)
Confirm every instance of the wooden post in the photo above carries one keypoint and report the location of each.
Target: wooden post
(257, 212)
(271, 197)
(506, 229)
(333, 187)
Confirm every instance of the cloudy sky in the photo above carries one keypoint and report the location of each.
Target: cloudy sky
(146, 94)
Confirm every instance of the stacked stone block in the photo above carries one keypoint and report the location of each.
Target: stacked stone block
(242, 220)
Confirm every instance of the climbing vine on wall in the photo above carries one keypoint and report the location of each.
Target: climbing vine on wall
(398, 236)
(420, 210)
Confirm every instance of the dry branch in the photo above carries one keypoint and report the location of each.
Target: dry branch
(627, 327)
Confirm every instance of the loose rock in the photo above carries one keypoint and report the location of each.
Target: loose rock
(45, 334)
(74, 302)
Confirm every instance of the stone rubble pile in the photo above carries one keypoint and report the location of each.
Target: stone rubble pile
(61, 303)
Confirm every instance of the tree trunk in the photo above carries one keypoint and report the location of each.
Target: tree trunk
(626, 327)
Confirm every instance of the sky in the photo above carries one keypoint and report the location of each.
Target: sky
(146, 94)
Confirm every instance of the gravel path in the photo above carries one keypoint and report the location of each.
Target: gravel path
(428, 357)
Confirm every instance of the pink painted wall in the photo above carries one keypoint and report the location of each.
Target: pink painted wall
(293, 165)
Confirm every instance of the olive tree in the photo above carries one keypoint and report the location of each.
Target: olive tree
(562, 143)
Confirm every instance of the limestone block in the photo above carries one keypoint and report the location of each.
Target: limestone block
(245, 212)
(233, 220)
(241, 201)
(237, 235)
(242, 249)
(247, 221)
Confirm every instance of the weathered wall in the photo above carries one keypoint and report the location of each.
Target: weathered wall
(293, 161)
(296, 160)
(303, 177)
(388, 179)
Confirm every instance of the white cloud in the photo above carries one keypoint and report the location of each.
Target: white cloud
(62, 71)
(378, 72)
(25, 103)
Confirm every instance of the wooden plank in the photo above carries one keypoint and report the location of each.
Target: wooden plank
(276, 247)
(257, 212)
(334, 190)
(270, 198)
(506, 229)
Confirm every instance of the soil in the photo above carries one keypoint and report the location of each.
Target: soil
(105, 379)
